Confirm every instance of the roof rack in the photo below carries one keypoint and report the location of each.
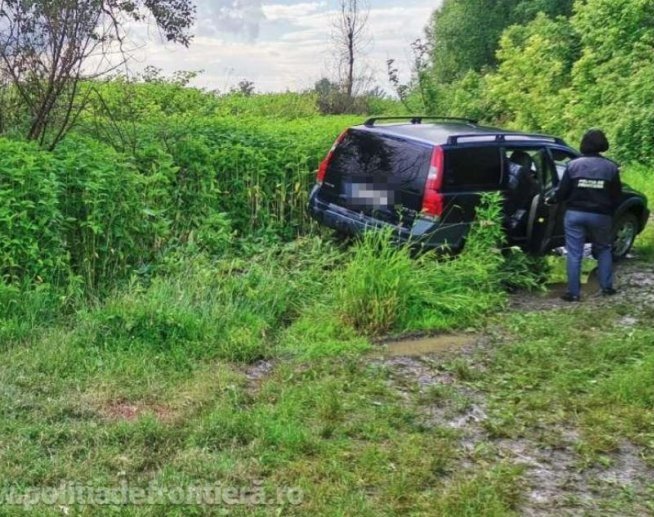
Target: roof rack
(418, 119)
(503, 137)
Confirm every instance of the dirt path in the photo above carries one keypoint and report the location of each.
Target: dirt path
(555, 482)
(634, 280)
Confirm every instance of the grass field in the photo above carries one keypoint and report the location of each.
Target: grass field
(221, 372)
(197, 342)
(342, 430)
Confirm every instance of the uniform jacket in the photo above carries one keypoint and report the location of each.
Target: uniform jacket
(591, 184)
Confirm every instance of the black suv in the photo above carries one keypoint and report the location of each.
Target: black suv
(424, 180)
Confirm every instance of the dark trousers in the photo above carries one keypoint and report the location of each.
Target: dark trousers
(581, 227)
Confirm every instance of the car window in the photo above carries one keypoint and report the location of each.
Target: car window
(473, 168)
(561, 159)
(535, 159)
(366, 157)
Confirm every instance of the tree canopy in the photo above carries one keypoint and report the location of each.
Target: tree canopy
(465, 34)
(572, 67)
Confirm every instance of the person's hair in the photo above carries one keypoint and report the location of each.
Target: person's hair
(594, 142)
(521, 158)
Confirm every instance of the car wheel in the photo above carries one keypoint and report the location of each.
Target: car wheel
(625, 231)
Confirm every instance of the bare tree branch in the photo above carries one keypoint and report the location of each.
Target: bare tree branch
(47, 46)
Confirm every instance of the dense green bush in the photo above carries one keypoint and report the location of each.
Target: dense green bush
(591, 67)
(257, 170)
(92, 210)
(109, 224)
(31, 243)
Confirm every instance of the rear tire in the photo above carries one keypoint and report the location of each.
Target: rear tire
(625, 231)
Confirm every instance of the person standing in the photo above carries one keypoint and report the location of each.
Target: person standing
(592, 189)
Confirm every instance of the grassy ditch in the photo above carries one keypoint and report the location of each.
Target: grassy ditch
(158, 382)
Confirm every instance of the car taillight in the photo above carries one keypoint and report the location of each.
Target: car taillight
(322, 170)
(432, 201)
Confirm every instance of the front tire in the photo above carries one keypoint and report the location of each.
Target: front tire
(625, 231)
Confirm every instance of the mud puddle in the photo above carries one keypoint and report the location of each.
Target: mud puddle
(416, 347)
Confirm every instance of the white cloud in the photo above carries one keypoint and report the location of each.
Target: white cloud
(286, 46)
(291, 12)
(241, 17)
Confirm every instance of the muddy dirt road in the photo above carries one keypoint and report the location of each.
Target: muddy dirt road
(557, 482)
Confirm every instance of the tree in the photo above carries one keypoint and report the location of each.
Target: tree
(244, 87)
(464, 34)
(48, 48)
(350, 37)
(613, 80)
(530, 88)
(332, 100)
(324, 87)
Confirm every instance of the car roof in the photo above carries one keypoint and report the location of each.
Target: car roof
(443, 133)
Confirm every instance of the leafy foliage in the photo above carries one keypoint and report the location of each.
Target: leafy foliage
(529, 88)
(560, 75)
(46, 48)
(90, 210)
(465, 34)
(109, 224)
(31, 248)
(613, 77)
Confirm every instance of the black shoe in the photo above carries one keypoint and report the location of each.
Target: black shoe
(567, 297)
(609, 292)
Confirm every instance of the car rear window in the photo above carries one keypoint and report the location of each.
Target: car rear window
(472, 168)
(365, 156)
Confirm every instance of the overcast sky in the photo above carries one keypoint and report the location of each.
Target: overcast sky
(284, 44)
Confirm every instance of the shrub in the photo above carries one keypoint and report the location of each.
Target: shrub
(108, 226)
(383, 289)
(31, 248)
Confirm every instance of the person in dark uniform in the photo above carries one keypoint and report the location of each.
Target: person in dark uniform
(592, 189)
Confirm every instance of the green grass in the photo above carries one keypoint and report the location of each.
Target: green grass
(640, 178)
(116, 395)
(581, 368)
(334, 427)
(151, 384)
(159, 381)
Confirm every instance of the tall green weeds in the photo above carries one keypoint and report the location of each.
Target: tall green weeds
(383, 289)
(306, 298)
(90, 211)
(31, 245)
(640, 178)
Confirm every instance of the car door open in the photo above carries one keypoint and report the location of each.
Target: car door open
(544, 230)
